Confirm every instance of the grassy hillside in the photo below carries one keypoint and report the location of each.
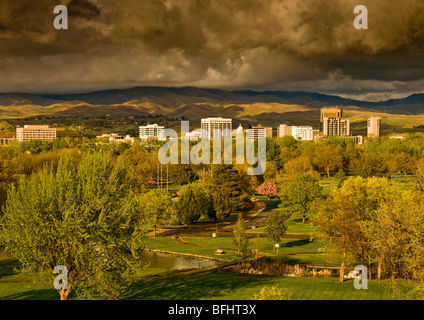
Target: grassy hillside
(266, 108)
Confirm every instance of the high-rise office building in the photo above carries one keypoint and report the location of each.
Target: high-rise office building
(374, 127)
(216, 128)
(339, 127)
(332, 112)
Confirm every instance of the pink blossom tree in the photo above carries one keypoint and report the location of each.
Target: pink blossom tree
(267, 189)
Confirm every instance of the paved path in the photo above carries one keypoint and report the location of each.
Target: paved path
(254, 217)
(207, 229)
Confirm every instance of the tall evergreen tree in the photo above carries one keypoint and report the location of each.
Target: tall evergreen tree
(193, 203)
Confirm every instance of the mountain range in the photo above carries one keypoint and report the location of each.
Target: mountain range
(264, 107)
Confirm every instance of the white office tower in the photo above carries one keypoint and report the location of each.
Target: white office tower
(216, 128)
(152, 131)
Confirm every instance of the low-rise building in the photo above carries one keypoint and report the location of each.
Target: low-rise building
(194, 135)
(152, 131)
(35, 132)
(284, 130)
(303, 133)
(116, 137)
(259, 132)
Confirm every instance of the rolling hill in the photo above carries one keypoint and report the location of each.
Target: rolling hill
(265, 107)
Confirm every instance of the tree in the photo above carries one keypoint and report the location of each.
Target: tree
(348, 217)
(273, 152)
(193, 203)
(275, 227)
(327, 157)
(142, 166)
(298, 165)
(157, 207)
(240, 238)
(82, 217)
(397, 236)
(373, 165)
(182, 174)
(300, 195)
(267, 189)
(229, 188)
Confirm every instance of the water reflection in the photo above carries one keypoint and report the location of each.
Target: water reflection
(151, 259)
(174, 261)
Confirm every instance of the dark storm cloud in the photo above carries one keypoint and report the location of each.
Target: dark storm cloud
(267, 44)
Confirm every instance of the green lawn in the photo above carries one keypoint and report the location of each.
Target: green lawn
(269, 203)
(215, 285)
(168, 244)
(206, 285)
(263, 244)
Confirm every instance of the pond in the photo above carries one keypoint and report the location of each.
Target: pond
(166, 261)
(174, 261)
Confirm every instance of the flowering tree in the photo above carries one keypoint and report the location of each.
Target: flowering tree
(267, 189)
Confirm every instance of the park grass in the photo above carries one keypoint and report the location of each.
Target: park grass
(291, 251)
(171, 245)
(295, 225)
(204, 285)
(270, 204)
(218, 285)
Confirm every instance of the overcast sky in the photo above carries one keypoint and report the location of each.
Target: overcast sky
(231, 44)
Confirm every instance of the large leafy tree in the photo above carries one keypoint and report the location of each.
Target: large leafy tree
(275, 227)
(300, 195)
(348, 222)
(157, 207)
(182, 174)
(327, 157)
(82, 217)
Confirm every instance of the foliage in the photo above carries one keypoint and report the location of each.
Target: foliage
(157, 207)
(229, 188)
(182, 174)
(275, 227)
(267, 189)
(80, 216)
(350, 213)
(241, 240)
(273, 293)
(327, 157)
(300, 195)
(300, 164)
(193, 203)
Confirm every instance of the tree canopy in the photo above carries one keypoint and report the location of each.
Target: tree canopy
(80, 216)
